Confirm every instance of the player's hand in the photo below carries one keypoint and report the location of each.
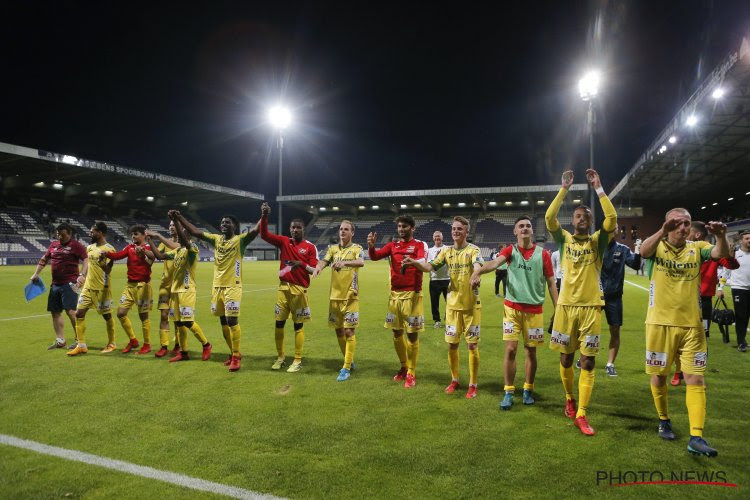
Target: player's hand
(716, 228)
(34, 277)
(371, 239)
(673, 223)
(140, 251)
(316, 272)
(81, 279)
(293, 263)
(172, 214)
(151, 234)
(407, 261)
(720, 294)
(593, 177)
(475, 280)
(337, 266)
(265, 208)
(567, 179)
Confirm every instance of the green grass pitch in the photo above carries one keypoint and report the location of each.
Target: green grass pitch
(304, 435)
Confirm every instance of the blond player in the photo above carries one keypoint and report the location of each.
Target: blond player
(229, 249)
(96, 293)
(165, 287)
(345, 259)
(578, 316)
(529, 269)
(673, 320)
(183, 295)
(463, 307)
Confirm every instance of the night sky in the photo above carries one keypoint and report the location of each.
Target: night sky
(385, 96)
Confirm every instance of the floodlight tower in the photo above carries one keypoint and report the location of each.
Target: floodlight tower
(280, 118)
(588, 88)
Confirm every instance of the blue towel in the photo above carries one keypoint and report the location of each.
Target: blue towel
(34, 289)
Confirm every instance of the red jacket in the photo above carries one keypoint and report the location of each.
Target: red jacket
(411, 279)
(139, 268)
(709, 277)
(304, 251)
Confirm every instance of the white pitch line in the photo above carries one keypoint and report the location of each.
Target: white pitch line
(137, 470)
(25, 317)
(637, 286)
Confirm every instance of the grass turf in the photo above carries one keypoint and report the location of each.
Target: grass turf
(304, 435)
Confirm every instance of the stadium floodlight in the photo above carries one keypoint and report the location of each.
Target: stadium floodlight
(446, 204)
(94, 192)
(184, 203)
(57, 185)
(703, 207)
(461, 204)
(362, 207)
(335, 208)
(747, 193)
(322, 209)
(540, 202)
(493, 203)
(730, 199)
(403, 205)
(691, 121)
(279, 117)
(672, 139)
(417, 205)
(714, 203)
(508, 203)
(108, 193)
(588, 86)
(718, 93)
(524, 202)
(39, 184)
(375, 207)
(577, 201)
(149, 198)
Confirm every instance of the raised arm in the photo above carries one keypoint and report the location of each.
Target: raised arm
(183, 238)
(265, 234)
(422, 265)
(610, 214)
(117, 255)
(721, 248)
(190, 228)
(154, 248)
(648, 247)
(168, 242)
(550, 217)
(375, 253)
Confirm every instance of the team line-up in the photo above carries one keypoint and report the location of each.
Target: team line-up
(673, 322)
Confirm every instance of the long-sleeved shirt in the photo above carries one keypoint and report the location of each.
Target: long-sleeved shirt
(411, 279)
(612, 275)
(139, 268)
(304, 251)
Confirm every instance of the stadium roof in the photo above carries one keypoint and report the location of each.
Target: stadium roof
(703, 155)
(484, 198)
(26, 171)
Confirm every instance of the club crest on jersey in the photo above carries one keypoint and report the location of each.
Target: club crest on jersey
(559, 338)
(302, 251)
(536, 335)
(700, 359)
(656, 359)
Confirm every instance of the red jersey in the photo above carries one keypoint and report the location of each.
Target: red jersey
(411, 279)
(547, 271)
(139, 268)
(709, 277)
(304, 251)
(64, 259)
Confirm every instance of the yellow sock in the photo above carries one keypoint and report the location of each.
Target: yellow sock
(528, 387)
(236, 336)
(660, 401)
(110, 330)
(279, 334)
(351, 344)
(585, 387)
(473, 365)
(81, 331)
(146, 326)
(198, 332)
(453, 362)
(128, 327)
(227, 333)
(164, 337)
(695, 399)
(567, 375)
(400, 344)
(299, 343)
(509, 388)
(412, 353)
(182, 336)
(342, 343)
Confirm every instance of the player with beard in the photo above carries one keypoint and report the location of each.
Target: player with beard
(165, 287)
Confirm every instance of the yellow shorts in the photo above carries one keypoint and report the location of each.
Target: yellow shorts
(519, 325)
(665, 343)
(292, 299)
(137, 294)
(101, 300)
(405, 312)
(182, 306)
(343, 313)
(577, 327)
(164, 294)
(225, 301)
(466, 323)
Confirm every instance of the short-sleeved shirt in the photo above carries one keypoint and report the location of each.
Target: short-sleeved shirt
(185, 261)
(441, 273)
(580, 262)
(227, 257)
(97, 278)
(168, 272)
(674, 292)
(64, 259)
(345, 281)
(460, 263)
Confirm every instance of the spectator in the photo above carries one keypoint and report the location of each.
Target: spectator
(501, 273)
(439, 279)
(739, 282)
(556, 269)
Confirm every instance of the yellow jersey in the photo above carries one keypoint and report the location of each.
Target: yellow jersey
(460, 262)
(185, 262)
(345, 281)
(580, 263)
(674, 292)
(97, 277)
(168, 271)
(227, 257)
